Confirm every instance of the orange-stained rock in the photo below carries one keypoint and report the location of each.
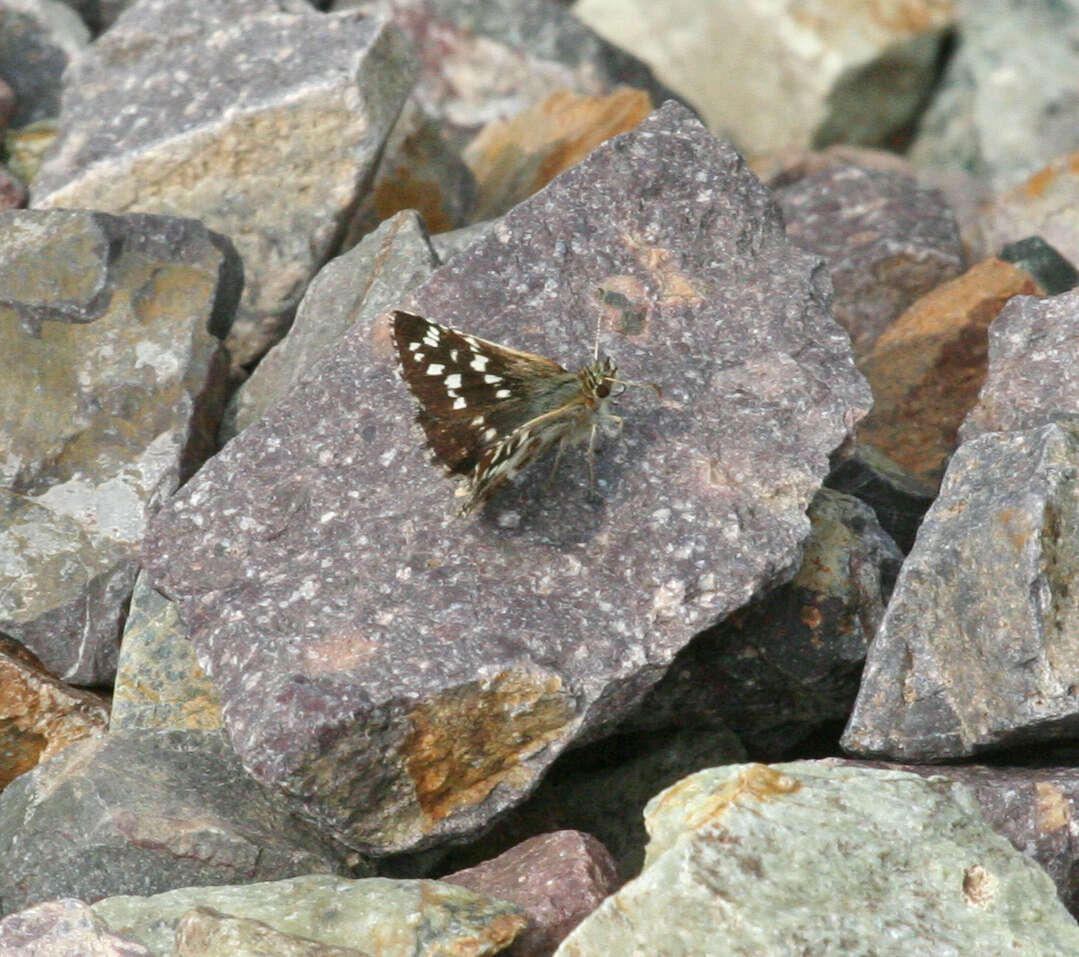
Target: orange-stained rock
(512, 159)
(39, 715)
(927, 367)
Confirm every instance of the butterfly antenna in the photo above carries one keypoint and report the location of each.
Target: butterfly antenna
(643, 385)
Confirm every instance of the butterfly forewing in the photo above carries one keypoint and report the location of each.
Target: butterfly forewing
(488, 411)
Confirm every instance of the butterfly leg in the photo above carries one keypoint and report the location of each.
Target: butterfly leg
(554, 468)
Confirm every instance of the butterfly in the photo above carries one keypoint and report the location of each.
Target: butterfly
(489, 411)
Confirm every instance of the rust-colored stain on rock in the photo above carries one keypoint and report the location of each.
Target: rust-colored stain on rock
(465, 742)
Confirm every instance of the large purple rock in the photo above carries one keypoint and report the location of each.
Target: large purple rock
(407, 675)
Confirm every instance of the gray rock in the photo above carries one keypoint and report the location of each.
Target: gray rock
(263, 119)
(63, 928)
(384, 917)
(111, 388)
(448, 245)
(978, 647)
(1033, 376)
(492, 60)
(204, 932)
(774, 76)
(139, 812)
(808, 858)
(159, 684)
(886, 241)
(787, 664)
(898, 498)
(557, 879)
(1007, 103)
(38, 39)
(423, 670)
(358, 287)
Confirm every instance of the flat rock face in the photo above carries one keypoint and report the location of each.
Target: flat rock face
(383, 917)
(886, 241)
(1007, 100)
(1033, 374)
(262, 119)
(787, 859)
(979, 646)
(777, 75)
(424, 670)
(146, 812)
(63, 928)
(108, 324)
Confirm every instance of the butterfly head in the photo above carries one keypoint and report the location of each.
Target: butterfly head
(599, 378)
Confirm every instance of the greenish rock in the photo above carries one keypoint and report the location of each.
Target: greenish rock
(111, 388)
(204, 932)
(159, 684)
(390, 918)
(807, 858)
(371, 278)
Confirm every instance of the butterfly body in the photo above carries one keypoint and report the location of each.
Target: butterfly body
(489, 411)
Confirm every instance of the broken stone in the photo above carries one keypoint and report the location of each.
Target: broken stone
(263, 120)
(927, 368)
(886, 241)
(789, 663)
(134, 811)
(557, 879)
(1033, 376)
(159, 684)
(978, 646)
(777, 76)
(816, 859)
(358, 287)
(406, 676)
(384, 917)
(111, 389)
(39, 716)
(1051, 270)
(63, 928)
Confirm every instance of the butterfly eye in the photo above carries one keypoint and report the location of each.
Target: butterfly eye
(603, 389)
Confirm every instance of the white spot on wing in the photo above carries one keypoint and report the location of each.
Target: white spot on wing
(453, 381)
(492, 379)
(435, 368)
(479, 363)
(459, 402)
(502, 394)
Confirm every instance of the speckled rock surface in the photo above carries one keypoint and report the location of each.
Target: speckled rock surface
(136, 812)
(776, 75)
(927, 368)
(204, 932)
(356, 287)
(1033, 373)
(159, 684)
(1037, 809)
(383, 917)
(776, 670)
(1007, 103)
(558, 879)
(40, 716)
(488, 61)
(424, 670)
(886, 241)
(812, 859)
(111, 387)
(979, 646)
(262, 119)
(63, 928)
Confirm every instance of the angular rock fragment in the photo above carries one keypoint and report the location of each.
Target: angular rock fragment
(135, 811)
(886, 241)
(1033, 374)
(775, 76)
(406, 675)
(384, 917)
(1006, 104)
(558, 879)
(263, 120)
(159, 684)
(63, 928)
(356, 287)
(807, 858)
(789, 663)
(1051, 270)
(39, 716)
(979, 646)
(111, 386)
(927, 367)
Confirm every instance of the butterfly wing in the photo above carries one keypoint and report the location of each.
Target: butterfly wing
(473, 394)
